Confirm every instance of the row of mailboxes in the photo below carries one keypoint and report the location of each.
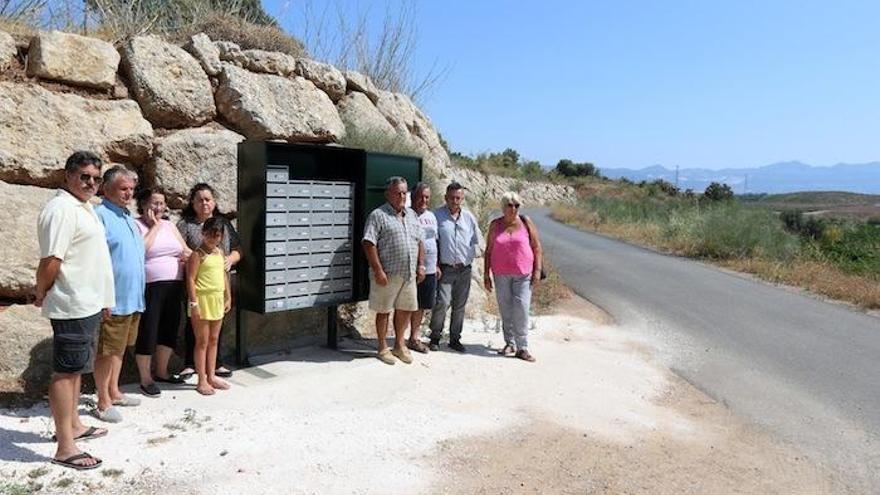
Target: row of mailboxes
(301, 214)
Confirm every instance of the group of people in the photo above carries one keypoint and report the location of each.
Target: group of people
(107, 280)
(421, 260)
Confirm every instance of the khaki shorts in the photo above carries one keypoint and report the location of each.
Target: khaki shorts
(118, 332)
(396, 294)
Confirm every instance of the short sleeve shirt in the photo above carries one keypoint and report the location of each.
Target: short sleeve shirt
(429, 228)
(70, 230)
(127, 256)
(457, 238)
(396, 239)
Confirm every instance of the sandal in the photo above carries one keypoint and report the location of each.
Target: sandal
(507, 351)
(417, 345)
(70, 462)
(525, 356)
(90, 433)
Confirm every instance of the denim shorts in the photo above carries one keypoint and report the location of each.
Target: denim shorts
(73, 344)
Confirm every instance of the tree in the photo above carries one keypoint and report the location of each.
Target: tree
(718, 192)
(568, 168)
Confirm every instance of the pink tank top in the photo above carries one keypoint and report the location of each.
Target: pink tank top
(163, 258)
(511, 253)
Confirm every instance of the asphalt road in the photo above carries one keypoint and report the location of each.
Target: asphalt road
(805, 369)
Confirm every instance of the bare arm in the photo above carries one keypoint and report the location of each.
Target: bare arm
(186, 250)
(487, 258)
(420, 267)
(372, 255)
(232, 259)
(535, 242)
(47, 272)
(192, 269)
(227, 299)
(153, 226)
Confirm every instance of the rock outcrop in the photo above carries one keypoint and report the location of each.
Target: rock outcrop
(189, 156)
(206, 52)
(19, 252)
(26, 353)
(264, 106)
(169, 84)
(359, 115)
(327, 78)
(7, 50)
(355, 81)
(73, 59)
(39, 129)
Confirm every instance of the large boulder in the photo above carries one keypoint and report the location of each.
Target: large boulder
(189, 156)
(264, 106)
(39, 129)
(206, 52)
(19, 252)
(327, 78)
(26, 353)
(7, 50)
(73, 59)
(169, 84)
(361, 116)
(355, 81)
(280, 64)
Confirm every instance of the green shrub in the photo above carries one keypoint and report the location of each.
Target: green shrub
(718, 192)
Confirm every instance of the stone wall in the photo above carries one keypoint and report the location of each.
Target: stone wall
(175, 114)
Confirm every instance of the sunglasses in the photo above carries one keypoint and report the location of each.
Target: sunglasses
(97, 179)
(513, 205)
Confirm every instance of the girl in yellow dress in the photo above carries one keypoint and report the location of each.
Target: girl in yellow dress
(209, 299)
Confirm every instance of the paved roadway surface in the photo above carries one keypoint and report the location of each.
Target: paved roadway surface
(805, 369)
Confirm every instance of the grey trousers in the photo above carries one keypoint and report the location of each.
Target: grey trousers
(514, 295)
(453, 289)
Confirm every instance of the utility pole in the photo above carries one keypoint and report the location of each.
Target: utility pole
(746, 185)
(676, 176)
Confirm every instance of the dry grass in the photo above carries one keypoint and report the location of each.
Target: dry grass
(246, 34)
(817, 277)
(550, 292)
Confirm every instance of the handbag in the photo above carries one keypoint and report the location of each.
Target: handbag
(529, 231)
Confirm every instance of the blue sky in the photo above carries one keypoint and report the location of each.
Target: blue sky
(635, 83)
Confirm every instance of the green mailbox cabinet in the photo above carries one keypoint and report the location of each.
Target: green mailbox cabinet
(301, 214)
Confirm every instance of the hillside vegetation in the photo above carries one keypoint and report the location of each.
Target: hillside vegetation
(836, 257)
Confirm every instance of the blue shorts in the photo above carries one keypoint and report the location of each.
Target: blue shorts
(427, 291)
(73, 344)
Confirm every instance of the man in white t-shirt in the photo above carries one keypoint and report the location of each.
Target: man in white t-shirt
(75, 290)
(427, 288)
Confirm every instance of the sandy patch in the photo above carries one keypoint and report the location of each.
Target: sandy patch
(593, 415)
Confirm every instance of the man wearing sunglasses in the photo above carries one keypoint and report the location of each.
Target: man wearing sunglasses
(457, 238)
(74, 287)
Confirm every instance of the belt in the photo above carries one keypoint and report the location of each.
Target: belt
(455, 265)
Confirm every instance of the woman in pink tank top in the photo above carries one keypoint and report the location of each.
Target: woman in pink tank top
(513, 259)
(165, 253)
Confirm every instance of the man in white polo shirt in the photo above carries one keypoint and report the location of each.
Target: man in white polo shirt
(74, 288)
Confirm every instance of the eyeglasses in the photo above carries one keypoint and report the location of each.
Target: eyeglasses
(513, 205)
(97, 179)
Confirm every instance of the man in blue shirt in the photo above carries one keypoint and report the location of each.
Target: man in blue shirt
(457, 239)
(119, 329)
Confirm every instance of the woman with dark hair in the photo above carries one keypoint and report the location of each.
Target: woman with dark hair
(166, 253)
(201, 206)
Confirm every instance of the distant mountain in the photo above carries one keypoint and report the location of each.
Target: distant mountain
(780, 177)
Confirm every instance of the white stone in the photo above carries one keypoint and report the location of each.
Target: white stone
(73, 59)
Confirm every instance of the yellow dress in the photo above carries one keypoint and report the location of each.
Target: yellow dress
(210, 286)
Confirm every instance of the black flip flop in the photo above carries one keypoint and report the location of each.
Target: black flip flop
(172, 379)
(227, 373)
(90, 433)
(70, 461)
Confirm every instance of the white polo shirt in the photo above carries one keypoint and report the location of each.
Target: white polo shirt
(69, 230)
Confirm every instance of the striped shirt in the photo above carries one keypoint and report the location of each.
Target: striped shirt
(396, 239)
